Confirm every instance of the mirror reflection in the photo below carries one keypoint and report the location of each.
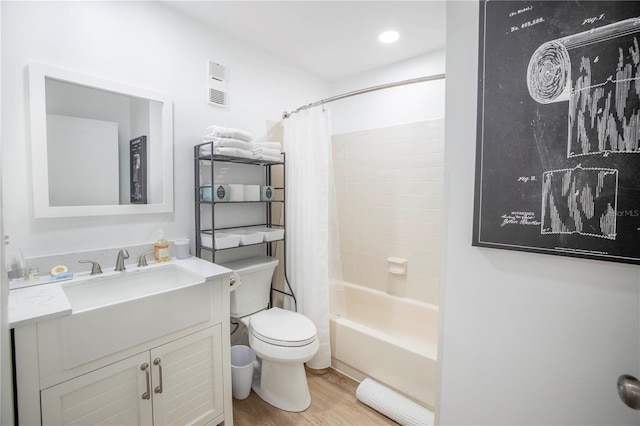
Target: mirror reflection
(92, 137)
(98, 147)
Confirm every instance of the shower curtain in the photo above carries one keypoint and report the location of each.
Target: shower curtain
(307, 143)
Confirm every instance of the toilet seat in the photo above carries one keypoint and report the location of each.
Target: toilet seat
(282, 328)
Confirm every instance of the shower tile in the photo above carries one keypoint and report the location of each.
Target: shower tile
(418, 174)
(433, 243)
(436, 173)
(340, 150)
(410, 161)
(383, 238)
(420, 270)
(411, 188)
(380, 249)
(357, 174)
(441, 144)
(432, 130)
(433, 188)
(433, 202)
(434, 159)
(390, 204)
(386, 212)
(412, 201)
(423, 292)
(432, 257)
(410, 241)
(432, 216)
(371, 199)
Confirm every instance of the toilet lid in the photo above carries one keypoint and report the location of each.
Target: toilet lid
(283, 328)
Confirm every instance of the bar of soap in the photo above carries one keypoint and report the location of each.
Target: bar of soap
(57, 270)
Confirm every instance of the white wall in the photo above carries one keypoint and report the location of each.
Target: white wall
(394, 106)
(142, 44)
(526, 338)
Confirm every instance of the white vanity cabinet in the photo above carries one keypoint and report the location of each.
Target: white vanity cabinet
(186, 379)
(176, 383)
(111, 395)
(169, 364)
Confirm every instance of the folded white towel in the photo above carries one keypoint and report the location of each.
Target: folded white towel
(226, 150)
(269, 145)
(267, 157)
(266, 151)
(230, 142)
(228, 132)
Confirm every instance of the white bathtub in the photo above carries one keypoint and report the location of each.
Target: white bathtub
(390, 339)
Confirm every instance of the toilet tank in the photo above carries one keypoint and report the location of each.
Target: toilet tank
(252, 295)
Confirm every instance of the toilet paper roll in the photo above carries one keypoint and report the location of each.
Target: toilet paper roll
(252, 192)
(549, 71)
(236, 192)
(591, 72)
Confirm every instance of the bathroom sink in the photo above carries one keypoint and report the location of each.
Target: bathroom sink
(122, 309)
(124, 286)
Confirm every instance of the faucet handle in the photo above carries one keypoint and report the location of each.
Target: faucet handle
(95, 266)
(143, 259)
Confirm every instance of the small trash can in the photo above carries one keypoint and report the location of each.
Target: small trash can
(242, 359)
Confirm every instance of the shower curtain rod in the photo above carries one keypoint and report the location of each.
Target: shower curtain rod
(367, 90)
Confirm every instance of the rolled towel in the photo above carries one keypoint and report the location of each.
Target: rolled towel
(393, 405)
(229, 132)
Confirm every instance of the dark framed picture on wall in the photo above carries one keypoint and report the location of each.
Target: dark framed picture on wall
(138, 168)
(558, 138)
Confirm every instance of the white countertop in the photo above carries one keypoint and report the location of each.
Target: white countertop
(46, 300)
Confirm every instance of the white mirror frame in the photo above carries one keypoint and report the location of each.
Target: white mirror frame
(39, 163)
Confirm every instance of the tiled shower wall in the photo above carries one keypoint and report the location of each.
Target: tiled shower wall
(389, 196)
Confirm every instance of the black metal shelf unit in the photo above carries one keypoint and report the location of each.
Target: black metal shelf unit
(199, 159)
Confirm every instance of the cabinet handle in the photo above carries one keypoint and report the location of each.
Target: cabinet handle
(158, 389)
(145, 367)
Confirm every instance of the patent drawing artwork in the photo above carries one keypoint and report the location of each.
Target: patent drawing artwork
(557, 169)
(588, 197)
(598, 91)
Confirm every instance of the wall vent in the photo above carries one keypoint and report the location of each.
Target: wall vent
(217, 82)
(217, 97)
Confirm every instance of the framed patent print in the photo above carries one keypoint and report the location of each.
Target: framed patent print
(558, 141)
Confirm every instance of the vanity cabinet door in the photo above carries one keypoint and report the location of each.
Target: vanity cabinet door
(114, 394)
(187, 379)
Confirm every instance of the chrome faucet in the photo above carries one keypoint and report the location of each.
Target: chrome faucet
(122, 255)
(143, 259)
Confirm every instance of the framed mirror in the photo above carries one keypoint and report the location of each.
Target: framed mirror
(98, 147)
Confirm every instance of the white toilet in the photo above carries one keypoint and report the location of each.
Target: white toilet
(282, 340)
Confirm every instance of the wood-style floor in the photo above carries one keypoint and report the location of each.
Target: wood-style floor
(333, 402)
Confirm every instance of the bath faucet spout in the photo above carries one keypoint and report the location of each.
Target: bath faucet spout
(122, 255)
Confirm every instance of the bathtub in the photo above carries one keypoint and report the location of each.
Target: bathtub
(391, 339)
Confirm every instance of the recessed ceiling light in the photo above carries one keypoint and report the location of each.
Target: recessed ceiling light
(389, 36)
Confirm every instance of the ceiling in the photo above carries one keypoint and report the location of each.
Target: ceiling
(333, 40)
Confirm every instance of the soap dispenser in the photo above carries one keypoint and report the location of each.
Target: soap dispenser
(161, 248)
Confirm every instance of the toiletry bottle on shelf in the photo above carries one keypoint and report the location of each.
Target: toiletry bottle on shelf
(161, 248)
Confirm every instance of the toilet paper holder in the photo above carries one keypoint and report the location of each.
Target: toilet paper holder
(397, 265)
(234, 281)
